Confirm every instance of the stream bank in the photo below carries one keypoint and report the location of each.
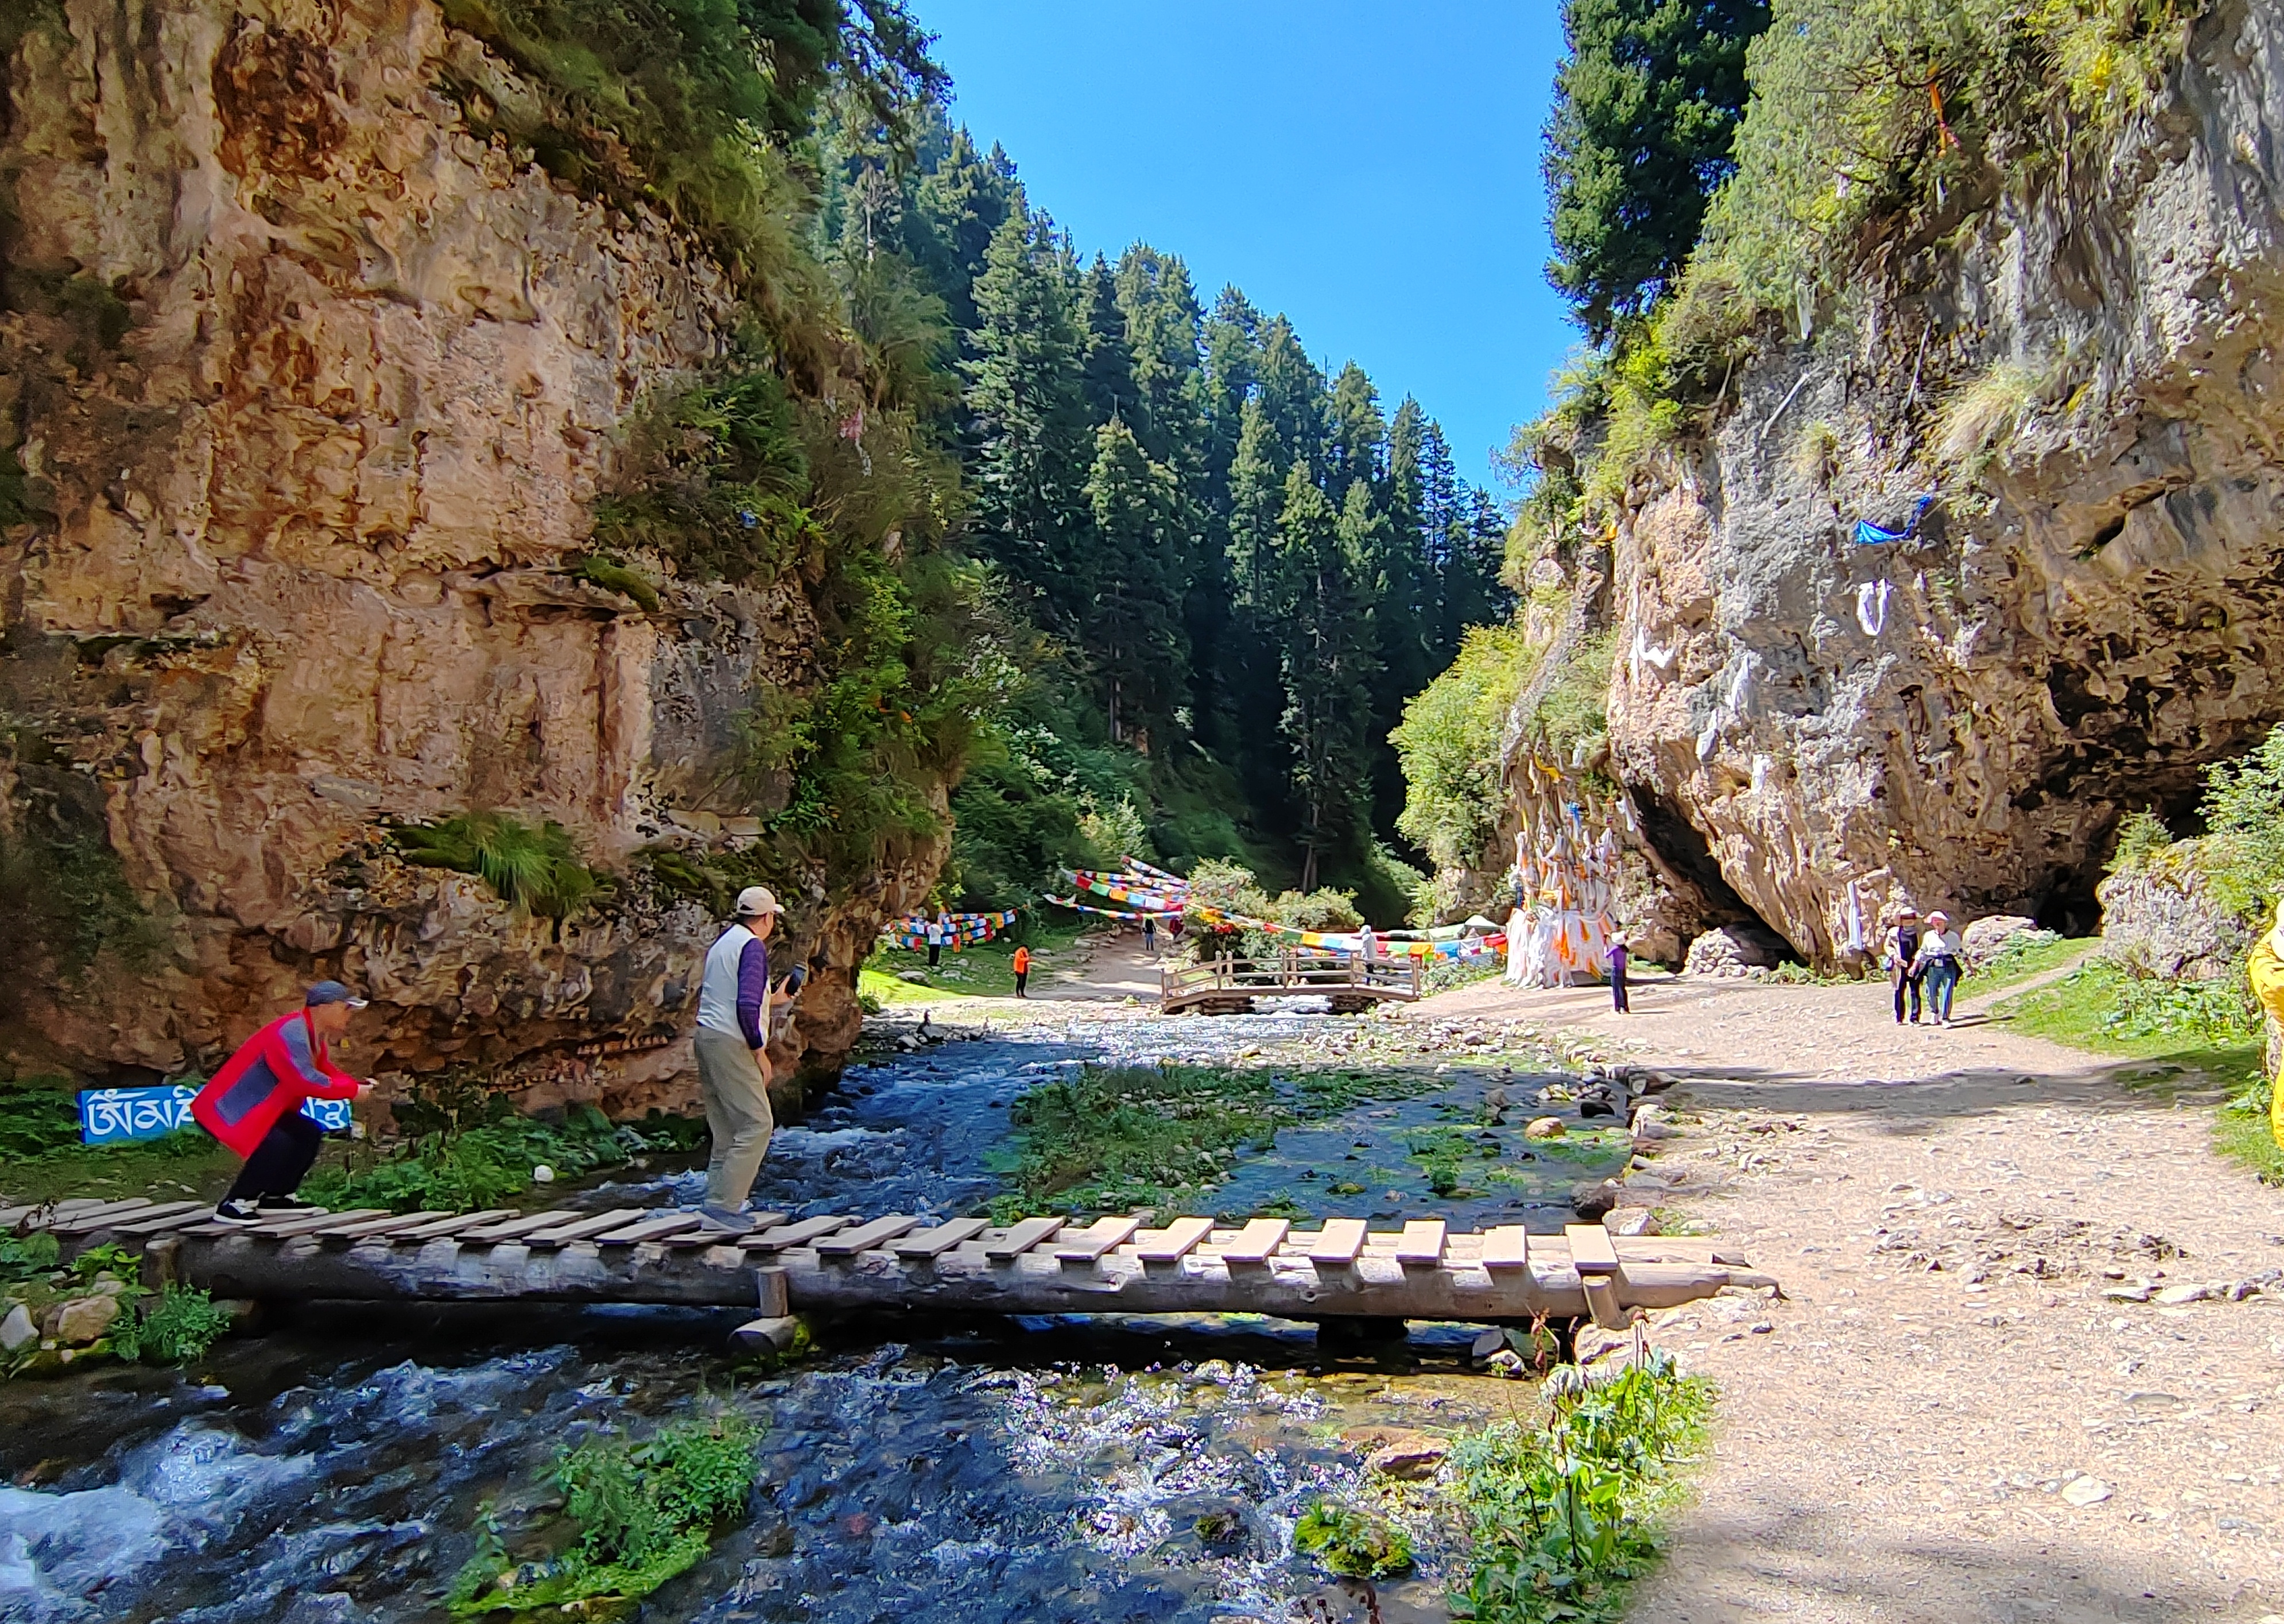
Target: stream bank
(333, 1468)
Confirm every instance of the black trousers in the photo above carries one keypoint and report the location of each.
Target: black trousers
(1618, 991)
(280, 1161)
(935, 953)
(1021, 978)
(1907, 985)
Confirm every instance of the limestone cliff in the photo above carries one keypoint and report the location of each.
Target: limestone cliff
(305, 393)
(2084, 376)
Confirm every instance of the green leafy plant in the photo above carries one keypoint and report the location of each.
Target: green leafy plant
(1562, 1516)
(480, 1154)
(1354, 1543)
(179, 1327)
(537, 869)
(642, 1513)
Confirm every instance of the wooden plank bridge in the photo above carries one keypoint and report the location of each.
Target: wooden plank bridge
(1336, 1270)
(1229, 986)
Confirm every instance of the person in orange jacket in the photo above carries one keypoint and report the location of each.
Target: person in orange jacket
(253, 1103)
(1022, 964)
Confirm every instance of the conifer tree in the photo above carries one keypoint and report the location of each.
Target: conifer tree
(1325, 663)
(1135, 641)
(1232, 344)
(1110, 388)
(1033, 445)
(1291, 391)
(958, 206)
(1646, 111)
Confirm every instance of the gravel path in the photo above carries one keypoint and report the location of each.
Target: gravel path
(1956, 1216)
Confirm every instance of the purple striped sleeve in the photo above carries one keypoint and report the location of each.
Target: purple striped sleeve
(753, 992)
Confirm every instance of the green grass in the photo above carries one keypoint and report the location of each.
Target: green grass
(490, 1163)
(42, 1159)
(982, 972)
(1563, 1516)
(1109, 1139)
(2022, 958)
(2102, 1008)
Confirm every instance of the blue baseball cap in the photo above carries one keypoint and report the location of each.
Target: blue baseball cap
(333, 993)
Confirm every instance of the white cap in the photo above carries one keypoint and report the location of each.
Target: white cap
(755, 900)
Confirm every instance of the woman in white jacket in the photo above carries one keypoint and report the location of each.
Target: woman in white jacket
(1938, 965)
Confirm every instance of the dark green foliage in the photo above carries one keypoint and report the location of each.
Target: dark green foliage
(1646, 110)
(36, 1121)
(27, 1257)
(537, 869)
(713, 479)
(1561, 1515)
(641, 1513)
(178, 1328)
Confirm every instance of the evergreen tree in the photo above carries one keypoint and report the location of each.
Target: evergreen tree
(1233, 342)
(1110, 390)
(1646, 111)
(1358, 447)
(1291, 391)
(1033, 445)
(1134, 637)
(959, 205)
(1326, 661)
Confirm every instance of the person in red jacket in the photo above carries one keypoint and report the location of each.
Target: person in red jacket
(253, 1103)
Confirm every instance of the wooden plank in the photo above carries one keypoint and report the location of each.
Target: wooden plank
(763, 1222)
(144, 1227)
(1255, 1243)
(95, 1218)
(1020, 1238)
(358, 1228)
(650, 1229)
(458, 1223)
(1089, 1245)
(1508, 1247)
(1591, 1251)
(133, 1215)
(1340, 1244)
(1422, 1245)
(583, 1228)
(802, 1233)
(10, 1217)
(309, 1223)
(942, 1238)
(1172, 1243)
(515, 1228)
(866, 1237)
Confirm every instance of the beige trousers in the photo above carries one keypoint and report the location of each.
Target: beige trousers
(737, 1114)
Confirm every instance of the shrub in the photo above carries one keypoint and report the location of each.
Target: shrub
(178, 1328)
(537, 869)
(1449, 746)
(1353, 1543)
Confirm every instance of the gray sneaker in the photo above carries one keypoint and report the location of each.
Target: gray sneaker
(714, 1221)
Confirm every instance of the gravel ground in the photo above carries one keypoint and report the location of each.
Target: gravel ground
(1961, 1411)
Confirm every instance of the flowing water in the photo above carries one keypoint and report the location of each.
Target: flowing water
(331, 1469)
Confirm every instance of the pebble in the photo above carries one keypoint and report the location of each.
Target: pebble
(1545, 1128)
(2085, 1492)
(543, 1174)
(17, 1329)
(2176, 1295)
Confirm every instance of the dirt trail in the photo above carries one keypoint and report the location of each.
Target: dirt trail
(1896, 1439)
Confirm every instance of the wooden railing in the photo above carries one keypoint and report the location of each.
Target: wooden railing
(1295, 970)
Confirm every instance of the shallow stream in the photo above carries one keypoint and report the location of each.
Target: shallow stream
(331, 1471)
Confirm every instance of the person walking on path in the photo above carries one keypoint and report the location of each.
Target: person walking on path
(1616, 953)
(1150, 934)
(1937, 965)
(1022, 967)
(734, 1063)
(1900, 956)
(253, 1103)
(1368, 945)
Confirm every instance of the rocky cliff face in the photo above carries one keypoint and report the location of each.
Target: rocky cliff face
(306, 392)
(2088, 611)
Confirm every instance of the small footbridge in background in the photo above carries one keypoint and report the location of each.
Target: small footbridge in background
(1230, 985)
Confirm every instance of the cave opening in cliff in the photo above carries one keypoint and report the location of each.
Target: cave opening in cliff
(1690, 866)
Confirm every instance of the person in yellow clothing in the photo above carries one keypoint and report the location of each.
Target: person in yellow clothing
(2266, 971)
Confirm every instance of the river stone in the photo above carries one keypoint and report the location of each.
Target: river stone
(1545, 1128)
(84, 1318)
(1398, 1452)
(2173, 1296)
(1592, 1201)
(1630, 1220)
(2085, 1492)
(17, 1329)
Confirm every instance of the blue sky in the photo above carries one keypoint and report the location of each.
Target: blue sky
(1372, 170)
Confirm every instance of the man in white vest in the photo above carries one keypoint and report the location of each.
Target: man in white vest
(734, 1067)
